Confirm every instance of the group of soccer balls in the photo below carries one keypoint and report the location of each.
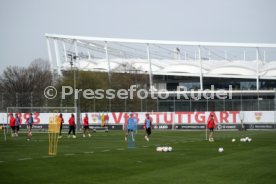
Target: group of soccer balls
(245, 139)
(164, 149)
(169, 149)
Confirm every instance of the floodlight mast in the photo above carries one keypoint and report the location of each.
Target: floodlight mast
(109, 74)
(73, 63)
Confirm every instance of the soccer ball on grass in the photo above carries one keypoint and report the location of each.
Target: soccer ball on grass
(220, 150)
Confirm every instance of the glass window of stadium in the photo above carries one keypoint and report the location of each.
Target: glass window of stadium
(267, 84)
(224, 83)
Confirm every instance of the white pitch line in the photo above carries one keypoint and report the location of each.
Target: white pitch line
(88, 152)
(69, 154)
(24, 159)
(105, 150)
(1, 161)
(120, 149)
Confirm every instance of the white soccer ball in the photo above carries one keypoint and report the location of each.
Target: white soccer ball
(221, 150)
(169, 149)
(165, 149)
(233, 140)
(159, 149)
(242, 139)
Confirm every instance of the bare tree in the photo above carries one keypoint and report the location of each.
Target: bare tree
(40, 76)
(22, 86)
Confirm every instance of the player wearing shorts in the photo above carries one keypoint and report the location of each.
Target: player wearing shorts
(147, 126)
(12, 125)
(61, 121)
(130, 127)
(30, 126)
(17, 124)
(72, 126)
(106, 119)
(211, 125)
(86, 126)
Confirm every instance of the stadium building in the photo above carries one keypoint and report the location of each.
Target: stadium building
(249, 68)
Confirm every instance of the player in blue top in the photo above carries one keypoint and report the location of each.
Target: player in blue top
(30, 126)
(17, 124)
(131, 124)
(147, 126)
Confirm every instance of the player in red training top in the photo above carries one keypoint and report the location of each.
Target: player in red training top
(72, 126)
(86, 126)
(12, 125)
(211, 125)
(106, 119)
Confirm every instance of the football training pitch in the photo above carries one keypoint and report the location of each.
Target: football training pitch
(105, 158)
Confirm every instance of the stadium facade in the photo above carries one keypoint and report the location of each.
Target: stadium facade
(249, 68)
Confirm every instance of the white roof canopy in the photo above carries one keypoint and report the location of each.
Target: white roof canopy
(163, 57)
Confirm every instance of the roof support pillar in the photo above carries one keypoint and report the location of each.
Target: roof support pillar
(150, 69)
(257, 71)
(108, 61)
(57, 57)
(201, 75)
(50, 54)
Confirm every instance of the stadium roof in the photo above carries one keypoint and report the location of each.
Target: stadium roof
(161, 42)
(163, 57)
(235, 69)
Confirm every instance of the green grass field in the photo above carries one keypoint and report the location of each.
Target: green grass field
(105, 158)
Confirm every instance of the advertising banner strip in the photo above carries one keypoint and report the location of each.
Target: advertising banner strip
(167, 118)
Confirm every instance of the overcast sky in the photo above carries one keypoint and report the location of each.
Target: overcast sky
(24, 22)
